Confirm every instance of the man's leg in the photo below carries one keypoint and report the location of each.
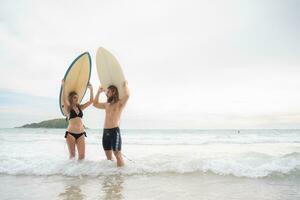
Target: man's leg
(119, 157)
(106, 144)
(108, 154)
(117, 145)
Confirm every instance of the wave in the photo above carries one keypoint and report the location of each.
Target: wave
(250, 165)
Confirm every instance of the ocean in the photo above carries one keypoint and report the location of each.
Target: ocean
(159, 164)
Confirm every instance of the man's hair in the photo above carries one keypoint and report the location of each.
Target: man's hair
(115, 94)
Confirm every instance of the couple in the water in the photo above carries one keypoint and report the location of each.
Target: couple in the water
(111, 139)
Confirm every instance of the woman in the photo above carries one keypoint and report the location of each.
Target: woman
(75, 132)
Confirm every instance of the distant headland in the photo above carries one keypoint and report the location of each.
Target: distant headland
(53, 123)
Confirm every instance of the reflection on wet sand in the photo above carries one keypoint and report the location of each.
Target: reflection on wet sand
(112, 187)
(72, 193)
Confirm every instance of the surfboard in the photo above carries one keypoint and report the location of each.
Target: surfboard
(76, 78)
(109, 70)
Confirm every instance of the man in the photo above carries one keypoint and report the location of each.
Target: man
(111, 140)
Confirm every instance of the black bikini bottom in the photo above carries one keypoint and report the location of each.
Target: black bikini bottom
(75, 135)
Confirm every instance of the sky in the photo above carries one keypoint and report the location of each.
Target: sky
(189, 64)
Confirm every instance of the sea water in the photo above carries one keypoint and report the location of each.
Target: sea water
(159, 164)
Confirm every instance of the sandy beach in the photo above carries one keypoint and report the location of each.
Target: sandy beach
(159, 186)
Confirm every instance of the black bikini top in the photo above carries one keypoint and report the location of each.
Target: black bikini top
(73, 114)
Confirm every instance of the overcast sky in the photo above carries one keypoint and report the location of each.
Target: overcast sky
(189, 64)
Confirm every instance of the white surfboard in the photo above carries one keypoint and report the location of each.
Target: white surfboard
(109, 70)
(76, 78)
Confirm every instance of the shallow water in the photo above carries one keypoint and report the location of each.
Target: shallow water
(164, 164)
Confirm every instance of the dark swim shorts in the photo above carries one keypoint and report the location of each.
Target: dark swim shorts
(111, 139)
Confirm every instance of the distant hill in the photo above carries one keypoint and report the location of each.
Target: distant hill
(53, 123)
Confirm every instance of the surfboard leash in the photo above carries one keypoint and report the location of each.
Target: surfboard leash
(128, 158)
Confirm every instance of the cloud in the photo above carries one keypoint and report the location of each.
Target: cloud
(183, 59)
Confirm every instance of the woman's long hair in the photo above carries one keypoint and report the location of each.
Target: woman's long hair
(115, 94)
(70, 98)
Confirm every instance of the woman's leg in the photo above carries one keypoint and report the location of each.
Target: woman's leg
(71, 145)
(81, 147)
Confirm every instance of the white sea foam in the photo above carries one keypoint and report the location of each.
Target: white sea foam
(255, 166)
(253, 155)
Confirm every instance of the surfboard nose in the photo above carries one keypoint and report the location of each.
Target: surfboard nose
(109, 70)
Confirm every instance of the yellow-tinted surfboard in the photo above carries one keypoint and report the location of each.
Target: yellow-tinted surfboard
(76, 78)
(109, 70)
